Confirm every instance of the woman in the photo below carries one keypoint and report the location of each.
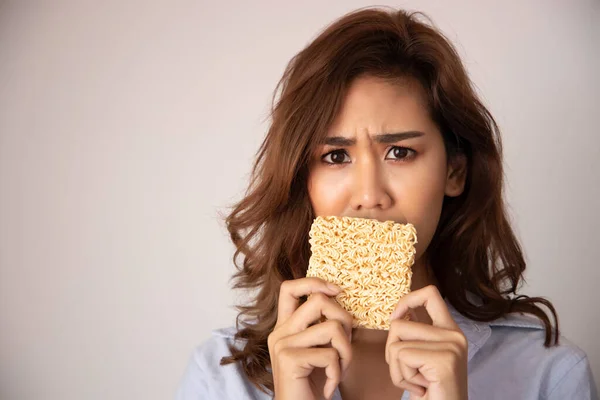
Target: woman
(377, 118)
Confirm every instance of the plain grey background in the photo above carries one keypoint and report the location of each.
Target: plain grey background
(125, 126)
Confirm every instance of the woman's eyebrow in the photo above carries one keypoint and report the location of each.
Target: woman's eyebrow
(385, 138)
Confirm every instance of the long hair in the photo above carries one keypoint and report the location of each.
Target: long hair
(474, 248)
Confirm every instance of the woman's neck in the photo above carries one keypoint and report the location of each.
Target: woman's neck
(422, 276)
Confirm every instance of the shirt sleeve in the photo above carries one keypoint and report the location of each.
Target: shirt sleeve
(193, 385)
(577, 383)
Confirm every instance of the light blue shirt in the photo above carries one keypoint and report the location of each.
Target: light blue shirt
(507, 360)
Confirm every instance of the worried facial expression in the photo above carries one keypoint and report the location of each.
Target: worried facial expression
(384, 158)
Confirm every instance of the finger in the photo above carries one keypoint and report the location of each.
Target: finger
(434, 364)
(430, 298)
(317, 306)
(402, 331)
(418, 379)
(324, 333)
(399, 378)
(410, 373)
(328, 359)
(302, 361)
(291, 291)
(416, 397)
(411, 330)
(333, 373)
(394, 348)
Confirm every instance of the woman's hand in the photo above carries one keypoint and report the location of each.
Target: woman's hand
(430, 361)
(294, 343)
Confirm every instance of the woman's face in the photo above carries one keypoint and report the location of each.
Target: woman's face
(384, 158)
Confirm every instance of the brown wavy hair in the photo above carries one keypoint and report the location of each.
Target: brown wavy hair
(474, 248)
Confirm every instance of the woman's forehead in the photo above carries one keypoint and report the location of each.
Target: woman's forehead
(379, 107)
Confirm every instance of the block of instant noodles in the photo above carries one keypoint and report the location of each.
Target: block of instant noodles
(370, 260)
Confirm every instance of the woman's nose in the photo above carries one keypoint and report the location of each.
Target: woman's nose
(368, 187)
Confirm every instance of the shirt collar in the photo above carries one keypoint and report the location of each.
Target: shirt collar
(477, 333)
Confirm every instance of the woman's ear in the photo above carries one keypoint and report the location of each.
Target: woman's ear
(457, 175)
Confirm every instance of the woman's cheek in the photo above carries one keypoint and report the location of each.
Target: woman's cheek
(327, 192)
(422, 206)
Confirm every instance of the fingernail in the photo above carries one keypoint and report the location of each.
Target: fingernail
(334, 287)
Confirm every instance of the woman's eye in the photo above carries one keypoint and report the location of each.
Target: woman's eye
(399, 153)
(395, 153)
(336, 157)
